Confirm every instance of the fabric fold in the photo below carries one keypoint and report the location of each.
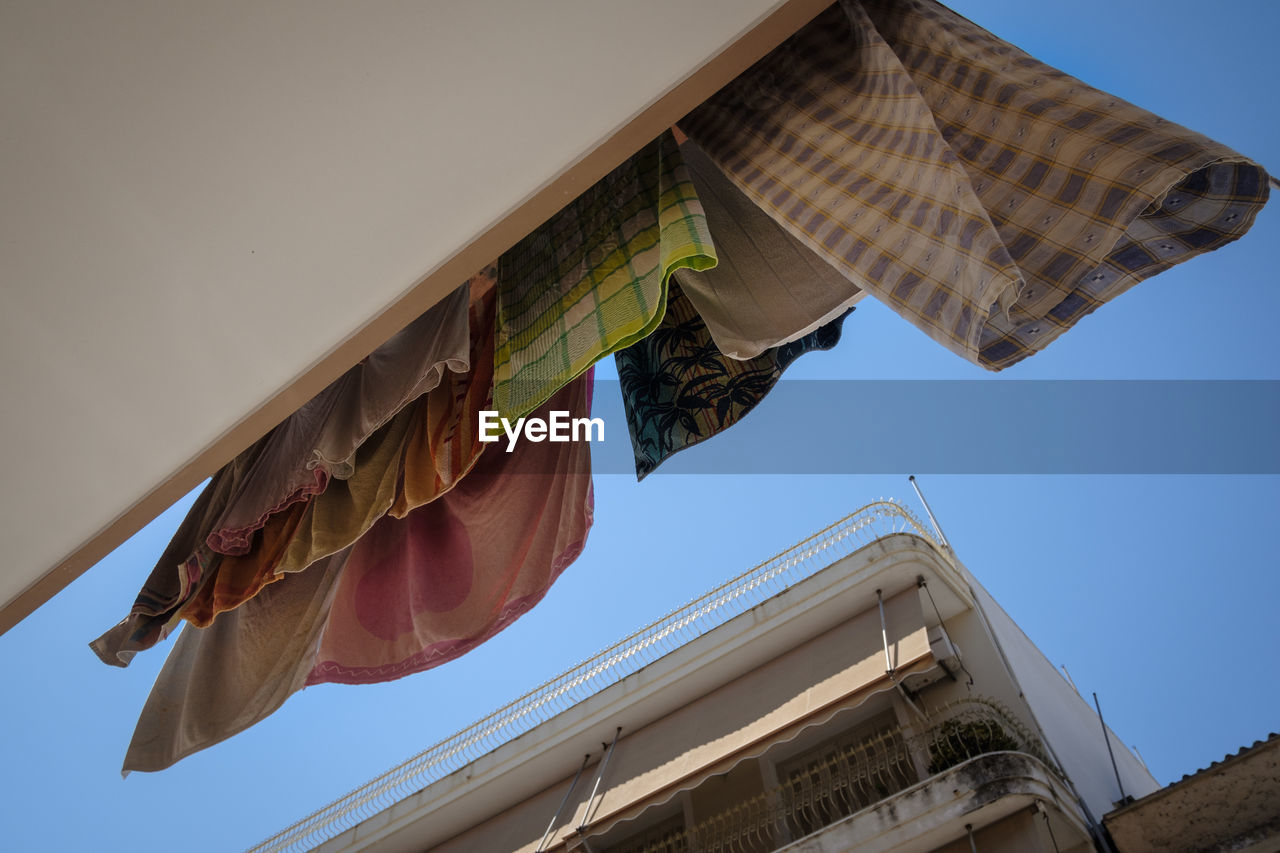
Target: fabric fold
(220, 680)
(678, 389)
(427, 588)
(321, 439)
(986, 197)
(177, 574)
(226, 582)
(418, 455)
(445, 442)
(768, 288)
(265, 492)
(409, 595)
(592, 279)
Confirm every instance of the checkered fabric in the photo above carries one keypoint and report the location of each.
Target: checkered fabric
(593, 278)
(988, 198)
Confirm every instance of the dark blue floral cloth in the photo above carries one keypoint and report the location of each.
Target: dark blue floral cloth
(678, 389)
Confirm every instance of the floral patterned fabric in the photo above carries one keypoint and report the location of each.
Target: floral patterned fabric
(678, 389)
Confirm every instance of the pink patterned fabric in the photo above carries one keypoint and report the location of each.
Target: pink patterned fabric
(411, 594)
(423, 590)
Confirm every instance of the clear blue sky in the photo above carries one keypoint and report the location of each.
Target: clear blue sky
(1159, 592)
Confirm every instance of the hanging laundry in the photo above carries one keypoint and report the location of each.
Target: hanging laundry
(416, 457)
(411, 594)
(768, 288)
(222, 679)
(226, 582)
(988, 198)
(430, 444)
(426, 589)
(272, 482)
(177, 573)
(593, 278)
(305, 533)
(678, 389)
(320, 439)
(445, 443)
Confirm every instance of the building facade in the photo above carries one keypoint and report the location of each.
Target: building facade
(859, 691)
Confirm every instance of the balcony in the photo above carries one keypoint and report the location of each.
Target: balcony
(880, 786)
(602, 671)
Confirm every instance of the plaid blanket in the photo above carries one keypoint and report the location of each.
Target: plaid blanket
(593, 278)
(990, 199)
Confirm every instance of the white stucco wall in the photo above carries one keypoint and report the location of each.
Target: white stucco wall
(212, 209)
(1069, 722)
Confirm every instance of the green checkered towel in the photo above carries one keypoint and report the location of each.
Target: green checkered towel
(593, 278)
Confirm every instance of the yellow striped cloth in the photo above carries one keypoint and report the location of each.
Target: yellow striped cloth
(593, 278)
(988, 198)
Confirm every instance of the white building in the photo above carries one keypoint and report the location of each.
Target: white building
(859, 691)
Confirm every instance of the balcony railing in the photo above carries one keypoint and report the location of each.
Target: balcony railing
(853, 777)
(805, 559)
